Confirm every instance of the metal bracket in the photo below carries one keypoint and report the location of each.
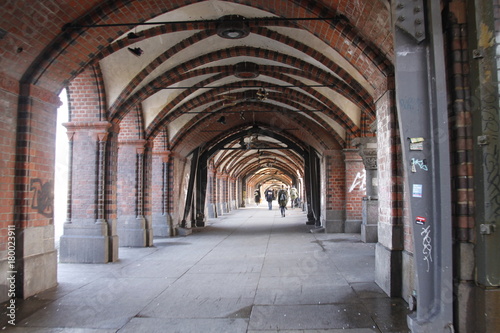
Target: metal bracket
(487, 228)
(410, 18)
(483, 140)
(478, 53)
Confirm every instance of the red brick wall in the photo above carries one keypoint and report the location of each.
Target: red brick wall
(355, 185)
(335, 183)
(390, 180)
(9, 98)
(86, 108)
(127, 180)
(85, 100)
(36, 124)
(157, 170)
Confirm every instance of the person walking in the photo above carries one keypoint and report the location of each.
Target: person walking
(282, 200)
(256, 195)
(293, 196)
(270, 198)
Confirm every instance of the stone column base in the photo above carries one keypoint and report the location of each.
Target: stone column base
(487, 305)
(85, 243)
(369, 233)
(353, 226)
(369, 227)
(134, 233)
(334, 221)
(212, 211)
(161, 225)
(37, 270)
(388, 270)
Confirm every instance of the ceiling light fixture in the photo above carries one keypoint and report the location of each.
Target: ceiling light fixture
(137, 51)
(232, 27)
(246, 70)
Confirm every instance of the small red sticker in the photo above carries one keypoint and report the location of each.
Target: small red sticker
(420, 220)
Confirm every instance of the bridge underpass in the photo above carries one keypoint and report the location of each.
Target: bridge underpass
(383, 113)
(247, 271)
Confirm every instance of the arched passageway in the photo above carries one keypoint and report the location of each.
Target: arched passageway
(180, 110)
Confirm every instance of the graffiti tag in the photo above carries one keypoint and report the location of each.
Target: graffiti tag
(360, 181)
(422, 164)
(43, 197)
(427, 243)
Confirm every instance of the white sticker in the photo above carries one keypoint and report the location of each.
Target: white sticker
(417, 190)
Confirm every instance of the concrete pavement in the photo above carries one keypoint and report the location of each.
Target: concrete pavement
(247, 271)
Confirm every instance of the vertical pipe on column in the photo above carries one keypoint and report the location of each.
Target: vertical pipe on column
(70, 179)
(140, 184)
(100, 178)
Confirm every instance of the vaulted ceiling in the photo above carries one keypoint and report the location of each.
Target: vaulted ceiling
(275, 77)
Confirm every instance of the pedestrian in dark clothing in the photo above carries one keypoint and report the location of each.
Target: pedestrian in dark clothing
(282, 200)
(270, 198)
(256, 196)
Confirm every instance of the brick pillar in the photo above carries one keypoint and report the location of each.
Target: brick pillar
(355, 186)
(87, 235)
(368, 151)
(333, 192)
(161, 218)
(388, 253)
(27, 168)
(211, 195)
(133, 229)
(224, 193)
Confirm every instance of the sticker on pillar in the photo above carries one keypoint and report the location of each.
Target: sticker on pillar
(420, 220)
(417, 190)
(416, 144)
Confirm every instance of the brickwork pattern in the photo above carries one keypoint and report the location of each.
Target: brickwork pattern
(86, 100)
(460, 126)
(44, 19)
(355, 185)
(9, 97)
(390, 178)
(335, 181)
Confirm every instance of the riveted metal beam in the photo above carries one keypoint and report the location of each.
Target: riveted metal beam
(423, 123)
(409, 17)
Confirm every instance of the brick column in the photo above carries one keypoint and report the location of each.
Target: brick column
(27, 169)
(87, 237)
(368, 150)
(161, 218)
(133, 229)
(388, 252)
(355, 187)
(211, 195)
(224, 192)
(333, 192)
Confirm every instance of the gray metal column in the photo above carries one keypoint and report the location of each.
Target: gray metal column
(190, 190)
(423, 122)
(201, 190)
(313, 171)
(308, 190)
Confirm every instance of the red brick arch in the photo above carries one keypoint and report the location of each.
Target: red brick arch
(73, 49)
